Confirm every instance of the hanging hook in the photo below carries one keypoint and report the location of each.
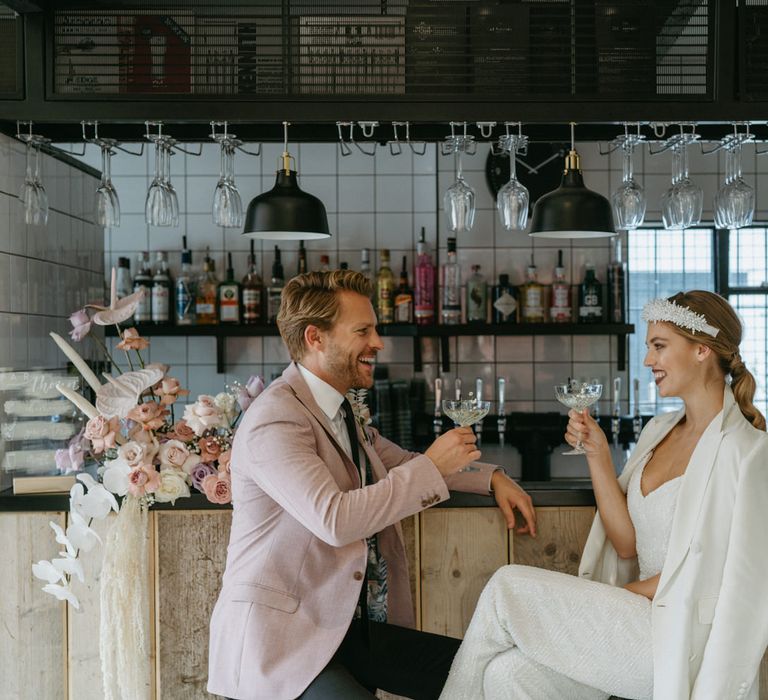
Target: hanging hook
(394, 144)
(368, 128)
(343, 146)
(486, 129)
(359, 147)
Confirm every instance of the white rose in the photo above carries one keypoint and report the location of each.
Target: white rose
(135, 453)
(204, 414)
(173, 485)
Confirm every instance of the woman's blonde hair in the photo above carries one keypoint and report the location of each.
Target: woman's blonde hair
(313, 299)
(720, 314)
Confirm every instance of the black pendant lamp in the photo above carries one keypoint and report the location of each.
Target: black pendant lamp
(286, 213)
(572, 210)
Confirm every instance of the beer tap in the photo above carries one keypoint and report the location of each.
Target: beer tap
(616, 419)
(479, 398)
(501, 420)
(457, 388)
(637, 420)
(437, 421)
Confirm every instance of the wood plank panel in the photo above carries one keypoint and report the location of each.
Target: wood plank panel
(763, 677)
(410, 528)
(561, 535)
(32, 639)
(461, 548)
(191, 552)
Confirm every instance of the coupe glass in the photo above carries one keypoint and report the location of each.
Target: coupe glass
(513, 199)
(466, 412)
(459, 202)
(578, 395)
(628, 200)
(682, 203)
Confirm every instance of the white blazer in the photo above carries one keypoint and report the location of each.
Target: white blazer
(710, 613)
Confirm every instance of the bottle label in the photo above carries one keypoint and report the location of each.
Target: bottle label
(205, 308)
(160, 301)
(273, 302)
(424, 314)
(476, 302)
(506, 305)
(534, 311)
(144, 307)
(403, 308)
(183, 302)
(251, 305)
(229, 304)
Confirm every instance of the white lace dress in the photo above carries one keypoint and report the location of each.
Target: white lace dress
(543, 635)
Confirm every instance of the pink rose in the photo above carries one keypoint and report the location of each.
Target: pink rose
(175, 454)
(169, 389)
(181, 431)
(224, 459)
(204, 414)
(209, 449)
(217, 488)
(143, 480)
(81, 325)
(150, 414)
(101, 433)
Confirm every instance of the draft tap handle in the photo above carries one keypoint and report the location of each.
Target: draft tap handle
(457, 388)
(438, 395)
(502, 387)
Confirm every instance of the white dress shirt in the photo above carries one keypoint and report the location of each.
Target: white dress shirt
(329, 400)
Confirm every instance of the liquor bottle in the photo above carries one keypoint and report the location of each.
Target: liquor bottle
(590, 297)
(325, 263)
(477, 297)
(302, 268)
(228, 295)
(385, 287)
(505, 301)
(617, 310)
(533, 296)
(253, 288)
(143, 281)
(365, 271)
(123, 283)
(205, 301)
(161, 290)
(560, 305)
(275, 288)
(424, 292)
(185, 289)
(404, 297)
(451, 302)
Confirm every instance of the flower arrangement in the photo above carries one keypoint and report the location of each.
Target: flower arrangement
(357, 399)
(143, 452)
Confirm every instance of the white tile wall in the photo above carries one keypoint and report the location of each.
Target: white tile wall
(377, 202)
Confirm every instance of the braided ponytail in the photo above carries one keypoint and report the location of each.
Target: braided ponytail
(725, 345)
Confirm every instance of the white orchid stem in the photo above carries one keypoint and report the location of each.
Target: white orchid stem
(77, 361)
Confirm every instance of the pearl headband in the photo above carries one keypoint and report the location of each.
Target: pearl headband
(661, 310)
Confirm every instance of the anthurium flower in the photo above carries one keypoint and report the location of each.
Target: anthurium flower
(132, 340)
(81, 325)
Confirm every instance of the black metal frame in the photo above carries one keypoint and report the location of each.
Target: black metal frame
(315, 118)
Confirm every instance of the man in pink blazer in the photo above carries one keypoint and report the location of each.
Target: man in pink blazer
(315, 601)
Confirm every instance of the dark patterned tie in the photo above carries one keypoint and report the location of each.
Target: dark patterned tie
(349, 420)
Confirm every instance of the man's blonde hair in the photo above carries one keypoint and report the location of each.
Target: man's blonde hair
(313, 299)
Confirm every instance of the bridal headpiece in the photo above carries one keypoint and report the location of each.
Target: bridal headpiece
(662, 310)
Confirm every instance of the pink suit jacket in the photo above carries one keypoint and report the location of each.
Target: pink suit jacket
(297, 547)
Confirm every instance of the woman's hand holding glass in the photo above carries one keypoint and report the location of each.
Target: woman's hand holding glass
(585, 429)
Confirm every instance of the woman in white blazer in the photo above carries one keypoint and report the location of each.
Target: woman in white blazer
(671, 601)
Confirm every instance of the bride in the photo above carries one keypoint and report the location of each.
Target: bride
(671, 599)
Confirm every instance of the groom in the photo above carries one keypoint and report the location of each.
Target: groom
(315, 599)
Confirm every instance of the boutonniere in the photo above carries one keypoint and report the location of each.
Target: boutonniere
(360, 409)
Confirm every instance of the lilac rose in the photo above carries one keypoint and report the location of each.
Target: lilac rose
(199, 472)
(253, 387)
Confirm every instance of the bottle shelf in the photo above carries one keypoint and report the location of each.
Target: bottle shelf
(221, 331)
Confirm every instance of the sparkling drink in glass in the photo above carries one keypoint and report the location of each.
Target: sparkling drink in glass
(578, 395)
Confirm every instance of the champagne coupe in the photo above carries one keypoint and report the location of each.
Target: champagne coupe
(466, 412)
(513, 199)
(629, 199)
(578, 395)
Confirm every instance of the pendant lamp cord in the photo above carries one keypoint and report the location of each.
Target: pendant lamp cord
(286, 155)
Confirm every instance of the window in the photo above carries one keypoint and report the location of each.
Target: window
(662, 263)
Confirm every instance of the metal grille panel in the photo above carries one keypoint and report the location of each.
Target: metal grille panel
(10, 53)
(417, 49)
(753, 47)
